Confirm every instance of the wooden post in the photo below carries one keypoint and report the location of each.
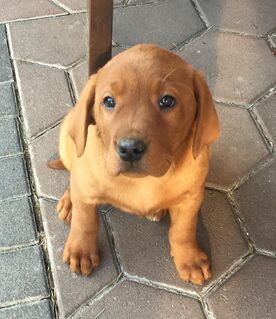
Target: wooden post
(100, 15)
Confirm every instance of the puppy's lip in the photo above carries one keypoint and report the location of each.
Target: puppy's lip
(132, 170)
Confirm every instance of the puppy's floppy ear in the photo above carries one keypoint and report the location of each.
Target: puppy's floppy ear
(206, 122)
(82, 115)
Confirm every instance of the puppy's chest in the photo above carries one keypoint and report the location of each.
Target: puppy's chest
(143, 197)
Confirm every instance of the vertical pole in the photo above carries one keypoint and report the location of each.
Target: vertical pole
(100, 15)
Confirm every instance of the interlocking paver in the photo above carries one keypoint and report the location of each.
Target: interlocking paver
(59, 41)
(49, 182)
(16, 10)
(45, 96)
(132, 300)
(234, 76)
(9, 137)
(7, 99)
(13, 180)
(144, 251)
(22, 275)
(166, 23)
(257, 207)
(38, 310)
(267, 112)
(5, 64)
(250, 293)
(239, 148)
(250, 16)
(17, 225)
(74, 290)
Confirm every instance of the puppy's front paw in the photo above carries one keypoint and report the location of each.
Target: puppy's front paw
(192, 264)
(81, 254)
(156, 217)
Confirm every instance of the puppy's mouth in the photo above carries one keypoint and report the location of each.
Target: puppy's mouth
(132, 170)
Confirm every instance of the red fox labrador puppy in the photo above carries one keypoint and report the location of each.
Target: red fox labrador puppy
(139, 139)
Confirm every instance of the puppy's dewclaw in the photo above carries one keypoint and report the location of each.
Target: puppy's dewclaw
(138, 139)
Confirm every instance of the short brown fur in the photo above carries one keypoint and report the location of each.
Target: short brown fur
(170, 176)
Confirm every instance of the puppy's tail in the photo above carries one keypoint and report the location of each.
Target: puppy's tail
(56, 164)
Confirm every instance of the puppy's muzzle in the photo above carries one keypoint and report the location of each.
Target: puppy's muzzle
(131, 149)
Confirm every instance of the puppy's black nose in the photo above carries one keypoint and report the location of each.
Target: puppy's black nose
(131, 149)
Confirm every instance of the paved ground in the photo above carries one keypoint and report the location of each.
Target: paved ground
(43, 69)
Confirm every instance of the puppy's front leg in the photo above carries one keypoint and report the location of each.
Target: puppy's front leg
(191, 262)
(81, 250)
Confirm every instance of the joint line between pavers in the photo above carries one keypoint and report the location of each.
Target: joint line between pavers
(227, 275)
(14, 248)
(23, 301)
(260, 166)
(262, 129)
(31, 182)
(194, 37)
(263, 252)
(72, 88)
(239, 33)
(231, 104)
(48, 65)
(206, 309)
(99, 295)
(201, 13)
(62, 14)
(61, 6)
(162, 286)
(47, 129)
(241, 223)
(150, 2)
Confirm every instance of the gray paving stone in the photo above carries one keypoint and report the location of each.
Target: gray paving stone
(257, 207)
(79, 72)
(16, 10)
(72, 289)
(13, 180)
(144, 248)
(58, 41)
(250, 16)
(37, 310)
(235, 70)
(22, 275)
(5, 64)
(10, 143)
(49, 182)
(17, 225)
(267, 112)
(7, 99)
(45, 96)
(250, 293)
(142, 1)
(74, 5)
(166, 23)
(132, 300)
(239, 148)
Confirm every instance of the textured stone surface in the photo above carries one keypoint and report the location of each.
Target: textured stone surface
(17, 225)
(257, 207)
(267, 112)
(59, 41)
(38, 310)
(230, 73)
(166, 23)
(13, 180)
(5, 64)
(49, 182)
(239, 148)
(250, 293)
(45, 96)
(144, 248)
(9, 137)
(16, 10)
(131, 300)
(7, 100)
(73, 290)
(74, 5)
(250, 16)
(22, 275)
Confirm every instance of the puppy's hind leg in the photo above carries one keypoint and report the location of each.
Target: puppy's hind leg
(64, 207)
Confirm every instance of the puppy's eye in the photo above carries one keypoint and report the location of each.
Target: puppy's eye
(167, 102)
(109, 102)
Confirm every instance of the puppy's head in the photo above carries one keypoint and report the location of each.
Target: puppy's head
(145, 103)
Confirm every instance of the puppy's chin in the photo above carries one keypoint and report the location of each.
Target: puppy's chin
(136, 169)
